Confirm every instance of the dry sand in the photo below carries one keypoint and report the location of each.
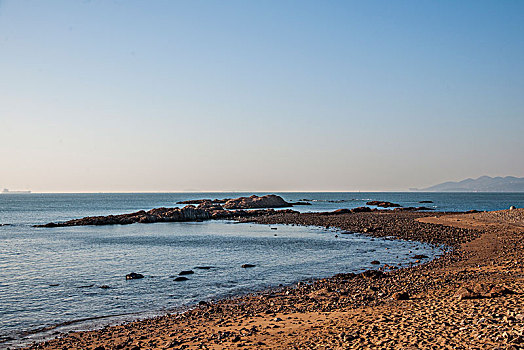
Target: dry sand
(471, 298)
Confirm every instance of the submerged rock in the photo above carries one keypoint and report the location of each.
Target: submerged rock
(180, 279)
(187, 272)
(134, 276)
(420, 256)
(245, 266)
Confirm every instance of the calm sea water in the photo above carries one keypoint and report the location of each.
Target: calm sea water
(51, 277)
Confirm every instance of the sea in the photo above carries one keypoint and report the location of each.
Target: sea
(51, 278)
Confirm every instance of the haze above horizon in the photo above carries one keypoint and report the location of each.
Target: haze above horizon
(164, 96)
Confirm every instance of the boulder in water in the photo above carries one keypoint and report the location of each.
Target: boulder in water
(269, 201)
(134, 276)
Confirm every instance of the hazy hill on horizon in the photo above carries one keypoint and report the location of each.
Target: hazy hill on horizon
(481, 184)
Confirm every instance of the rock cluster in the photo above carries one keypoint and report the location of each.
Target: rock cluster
(269, 201)
(252, 202)
(187, 213)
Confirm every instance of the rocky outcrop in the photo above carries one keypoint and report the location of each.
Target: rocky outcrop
(253, 202)
(383, 204)
(187, 213)
(269, 201)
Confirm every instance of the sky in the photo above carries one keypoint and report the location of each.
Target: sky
(159, 96)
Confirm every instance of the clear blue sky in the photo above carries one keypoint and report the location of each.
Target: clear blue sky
(259, 95)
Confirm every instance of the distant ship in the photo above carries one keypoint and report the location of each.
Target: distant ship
(6, 191)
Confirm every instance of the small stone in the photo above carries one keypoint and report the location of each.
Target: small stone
(401, 296)
(236, 339)
(420, 256)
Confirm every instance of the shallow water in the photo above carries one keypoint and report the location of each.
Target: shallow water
(52, 276)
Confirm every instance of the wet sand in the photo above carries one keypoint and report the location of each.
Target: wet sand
(470, 298)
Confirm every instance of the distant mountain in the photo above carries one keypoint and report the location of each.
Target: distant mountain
(482, 184)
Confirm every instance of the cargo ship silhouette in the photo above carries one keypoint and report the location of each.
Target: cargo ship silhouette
(6, 191)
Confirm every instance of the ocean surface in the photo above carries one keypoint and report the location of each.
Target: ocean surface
(50, 278)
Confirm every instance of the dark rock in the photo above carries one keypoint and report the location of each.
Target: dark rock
(401, 296)
(361, 210)
(54, 285)
(86, 286)
(203, 303)
(383, 204)
(425, 202)
(188, 213)
(187, 272)
(420, 256)
(269, 201)
(236, 339)
(104, 287)
(300, 203)
(134, 276)
(204, 267)
(373, 274)
(375, 262)
(180, 279)
(247, 265)
(497, 291)
(341, 211)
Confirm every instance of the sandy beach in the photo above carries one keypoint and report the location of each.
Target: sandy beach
(470, 298)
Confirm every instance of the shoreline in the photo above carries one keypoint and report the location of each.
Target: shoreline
(340, 293)
(46, 333)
